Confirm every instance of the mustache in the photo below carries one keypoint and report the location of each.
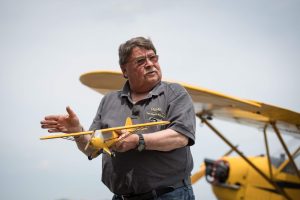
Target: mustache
(147, 71)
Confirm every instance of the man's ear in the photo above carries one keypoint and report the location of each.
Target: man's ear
(124, 71)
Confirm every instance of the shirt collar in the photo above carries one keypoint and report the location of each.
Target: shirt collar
(125, 92)
(158, 89)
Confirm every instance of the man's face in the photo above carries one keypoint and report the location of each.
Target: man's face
(142, 69)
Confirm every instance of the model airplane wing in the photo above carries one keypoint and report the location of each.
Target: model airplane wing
(127, 127)
(211, 104)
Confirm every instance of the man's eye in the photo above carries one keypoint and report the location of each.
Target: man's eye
(152, 58)
(140, 61)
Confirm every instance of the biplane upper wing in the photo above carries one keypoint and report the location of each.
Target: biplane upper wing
(103, 81)
(211, 104)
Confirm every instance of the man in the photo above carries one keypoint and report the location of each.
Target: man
(155, 163)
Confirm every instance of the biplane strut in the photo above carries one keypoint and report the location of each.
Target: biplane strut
(274, 184)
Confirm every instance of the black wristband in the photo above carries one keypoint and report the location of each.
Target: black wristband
(141, 145)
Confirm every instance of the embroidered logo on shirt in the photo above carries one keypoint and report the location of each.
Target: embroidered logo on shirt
(155, 114)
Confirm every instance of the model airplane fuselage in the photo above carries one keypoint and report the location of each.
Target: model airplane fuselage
(104, 139)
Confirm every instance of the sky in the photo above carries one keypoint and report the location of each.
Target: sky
(248, 49)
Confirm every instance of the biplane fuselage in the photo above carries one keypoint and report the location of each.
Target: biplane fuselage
(243, 182)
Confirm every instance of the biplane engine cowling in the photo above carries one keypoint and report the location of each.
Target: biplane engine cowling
(216, 172)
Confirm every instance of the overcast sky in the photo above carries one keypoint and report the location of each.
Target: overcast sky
(248, 49)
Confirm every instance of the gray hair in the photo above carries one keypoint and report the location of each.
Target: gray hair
(126, 48)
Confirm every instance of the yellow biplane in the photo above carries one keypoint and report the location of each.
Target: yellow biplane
(241, 177)
(103, 139)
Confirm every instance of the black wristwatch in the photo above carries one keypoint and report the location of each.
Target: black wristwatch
(141, 145)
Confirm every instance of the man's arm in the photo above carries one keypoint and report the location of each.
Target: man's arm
(81, 142)
(165, 140)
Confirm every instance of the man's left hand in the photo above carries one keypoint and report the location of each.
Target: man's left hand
(126, 141)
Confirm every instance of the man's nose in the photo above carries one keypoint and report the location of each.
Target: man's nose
(148, 62)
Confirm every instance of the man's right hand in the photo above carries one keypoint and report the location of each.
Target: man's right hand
(68, 123)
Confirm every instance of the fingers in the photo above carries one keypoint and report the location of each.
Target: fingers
(53, 130)
(122, 132)
(119, 145)
(119, 132)
(61, 123)
(49, 122)
(53, 126)
(52, 117)
(126, 142)
(123, 136)
(56, 129)
(49, 126)
(57, 117)
(71, 113)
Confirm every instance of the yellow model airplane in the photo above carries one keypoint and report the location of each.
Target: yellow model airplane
(235, 178)
(107, 137)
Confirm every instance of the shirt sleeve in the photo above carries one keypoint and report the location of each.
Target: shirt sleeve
(96, 124)
(181, 112)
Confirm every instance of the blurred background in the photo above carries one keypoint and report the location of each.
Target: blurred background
(247, 49)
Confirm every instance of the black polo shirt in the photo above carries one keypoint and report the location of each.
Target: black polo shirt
(135, 172)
